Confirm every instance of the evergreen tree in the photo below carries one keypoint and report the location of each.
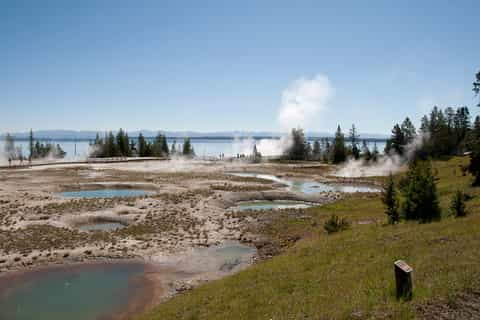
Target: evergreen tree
(375, 152)
(256, 156)
(476, 85)
(142, 146)
(474, 166)
(339, 149)
(353, 136)
(316, 152)
(165, 150)
(420, 192)
(111, 145)
(187, 148)
(31, 144)
(367, 155)
(298, 150)
(396, 141)
(327, 152)
(389, 199)
(408, 130)
(122, 143)
(457, 205)
(9, 147)
(157, 146)
(126, 145)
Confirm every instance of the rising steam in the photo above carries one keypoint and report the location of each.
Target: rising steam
(303, 100)
(385, 165)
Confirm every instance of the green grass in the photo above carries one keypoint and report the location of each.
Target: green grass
(349, 274)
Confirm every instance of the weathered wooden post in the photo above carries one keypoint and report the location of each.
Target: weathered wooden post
(403, 279)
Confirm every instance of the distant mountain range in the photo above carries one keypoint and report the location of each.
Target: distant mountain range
(90, 135)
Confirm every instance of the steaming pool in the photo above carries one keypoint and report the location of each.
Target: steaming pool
(307, 187)
(76, 292)
(267, 205)
(105, 193)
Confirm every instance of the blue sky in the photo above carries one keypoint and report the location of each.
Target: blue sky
(215, 66)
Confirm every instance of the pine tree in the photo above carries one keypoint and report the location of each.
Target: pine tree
(327, 152)
(457, 205)
(165, 150)
(256, 156)
(142, 146)
(367, 155)
(157, 146)
(375, 152)
(389, 199)
(408, 130)
(187, 148)
(298, 150)
(420, 192)
(396, 141)
(339, 149)
(31, 144)
(353, 136)
(476, 85)
(474, 166)
(316, 152)
(9, 147)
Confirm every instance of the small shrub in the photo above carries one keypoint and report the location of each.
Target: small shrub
(457, 205)
(334, 224)
(389, 199)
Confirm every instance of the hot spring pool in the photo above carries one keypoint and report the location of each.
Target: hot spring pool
(266, 205)
(308, 187)
(105, 193)
(79, 292)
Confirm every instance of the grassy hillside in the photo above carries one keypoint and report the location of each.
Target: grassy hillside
(349, 274)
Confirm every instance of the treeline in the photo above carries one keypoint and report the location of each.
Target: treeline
(37, 149)
(120, 145)
(441, 133)
(335, 151)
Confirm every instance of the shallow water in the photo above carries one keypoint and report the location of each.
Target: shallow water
(105, 193)
(70, 292)
(307, 187)
(224, 257)
(101, 226)
(266, 205)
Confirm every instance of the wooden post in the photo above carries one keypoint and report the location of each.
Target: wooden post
(403, 279)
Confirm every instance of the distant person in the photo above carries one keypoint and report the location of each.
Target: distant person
(9, 162)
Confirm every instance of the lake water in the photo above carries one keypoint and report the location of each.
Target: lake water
(203, 147)
(80, 292)
(105, 193)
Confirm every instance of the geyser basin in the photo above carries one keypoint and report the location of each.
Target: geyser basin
(101, 226)
(86, 291)
(105, 193)
(308, 186)
(266, 205)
